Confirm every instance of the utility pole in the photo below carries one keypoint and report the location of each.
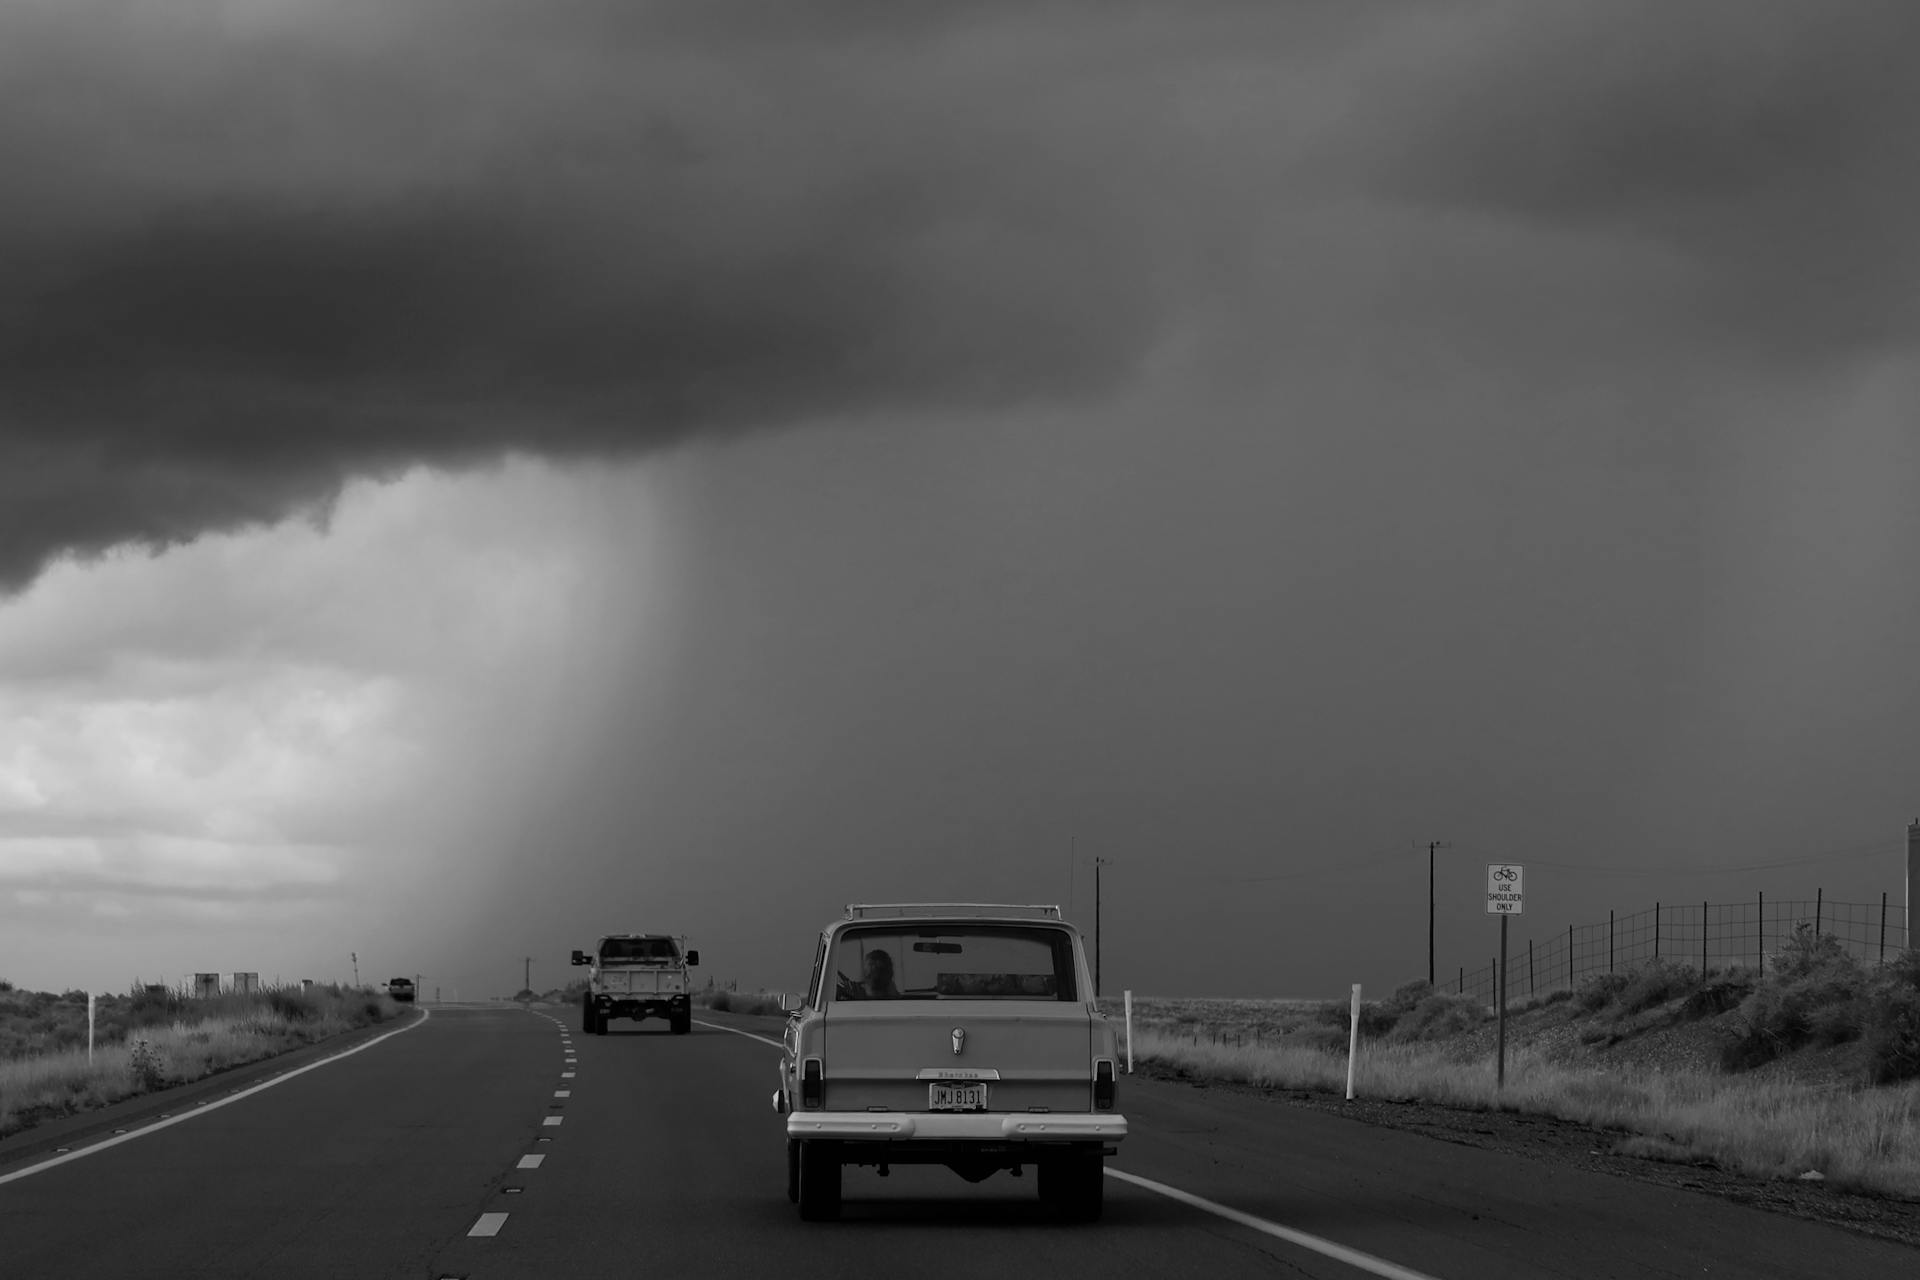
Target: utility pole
(356, 967)
(528, 984)
(1431, 846)
(1097, 864)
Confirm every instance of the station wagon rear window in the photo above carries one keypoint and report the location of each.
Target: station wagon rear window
(910, 961)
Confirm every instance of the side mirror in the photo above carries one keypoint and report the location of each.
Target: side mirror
(791, 1003)
(580, 957)
(693, 958)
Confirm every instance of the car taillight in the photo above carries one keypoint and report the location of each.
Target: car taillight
(1103, 1085)
(811, 1090)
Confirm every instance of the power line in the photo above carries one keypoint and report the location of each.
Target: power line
(1842, 854)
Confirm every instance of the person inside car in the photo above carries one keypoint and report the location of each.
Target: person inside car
(876, 980)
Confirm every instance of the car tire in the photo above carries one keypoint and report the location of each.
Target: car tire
(586, 1016)
(819, 1180)
(683, 1023)
(793, 1170)
(599, 1022)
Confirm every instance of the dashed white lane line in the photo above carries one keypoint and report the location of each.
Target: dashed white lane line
(202, 1108)
(529, 1162)
(563, 1093)
(1326, 1248)
(551, 1120)
(488, 1225)
(566, 1075)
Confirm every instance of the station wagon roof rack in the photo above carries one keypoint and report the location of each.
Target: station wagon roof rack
(880, 910)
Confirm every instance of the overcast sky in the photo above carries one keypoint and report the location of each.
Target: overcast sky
(478, 475)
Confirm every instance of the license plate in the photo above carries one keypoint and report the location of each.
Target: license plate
(956, 1097)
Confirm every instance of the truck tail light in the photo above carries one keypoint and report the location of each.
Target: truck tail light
(812, 1092)
(1103, 1085)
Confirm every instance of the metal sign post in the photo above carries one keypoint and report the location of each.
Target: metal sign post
(1504, 898)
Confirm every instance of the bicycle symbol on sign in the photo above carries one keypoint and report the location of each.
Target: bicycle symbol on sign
(1508, 874)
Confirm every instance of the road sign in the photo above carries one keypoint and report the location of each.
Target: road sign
(1504, 896)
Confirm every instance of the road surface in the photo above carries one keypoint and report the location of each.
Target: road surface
(498, 1142)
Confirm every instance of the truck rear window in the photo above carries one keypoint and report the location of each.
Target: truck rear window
(656, 950)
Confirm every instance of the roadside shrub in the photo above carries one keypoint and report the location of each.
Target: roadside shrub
(1805, 951)
(152, 1006)
(722, 1001)
(147, 1065)
(1437, 1016)
(1824, 1005)
(372, 1012)
(1655, 983)
(1717, 996)
(1598, 991)
(5, 985)
(293, 1005)
(1893, 1034)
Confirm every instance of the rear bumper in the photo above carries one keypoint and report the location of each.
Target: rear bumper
(896, 1126)
(643, 1006)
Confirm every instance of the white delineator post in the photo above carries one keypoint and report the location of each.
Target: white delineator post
(1353, 1040)
(89, 1028)
(1129, 1007)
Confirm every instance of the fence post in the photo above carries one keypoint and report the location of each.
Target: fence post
(1530, 987)
(1818, 894)
(1656, 931)
(1760, 936)
(1569, 957)
(1883, 927)
(1609, 940)
(1463, 980)
(1703, 940)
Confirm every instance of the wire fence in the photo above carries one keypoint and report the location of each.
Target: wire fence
(1711, 935)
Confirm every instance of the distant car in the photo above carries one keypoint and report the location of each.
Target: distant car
(956, 1034)
(401, 989)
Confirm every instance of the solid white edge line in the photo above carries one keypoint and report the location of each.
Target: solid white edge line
(738, 1032)
(205, 1107)
(489, 1224)
(1326, 1248)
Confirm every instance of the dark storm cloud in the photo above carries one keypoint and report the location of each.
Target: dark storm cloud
(1768, 148)
(251, 251)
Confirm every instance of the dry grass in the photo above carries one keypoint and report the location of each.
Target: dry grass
(145, 1054)
(1862, 1137)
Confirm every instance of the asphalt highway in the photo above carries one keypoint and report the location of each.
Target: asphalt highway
(497, 1142)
